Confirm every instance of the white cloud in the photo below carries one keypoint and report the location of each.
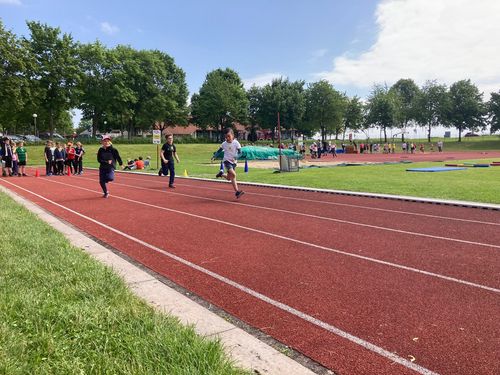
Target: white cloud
(261, 79)
(447, 40)
(108, 28)
(11, 2)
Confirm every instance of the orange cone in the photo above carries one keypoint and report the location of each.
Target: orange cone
(69, 171)
(37, 174)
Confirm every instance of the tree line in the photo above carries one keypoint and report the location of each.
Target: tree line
(49, 74)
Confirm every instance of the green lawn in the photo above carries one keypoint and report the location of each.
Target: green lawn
(474, 184)
(61, 312)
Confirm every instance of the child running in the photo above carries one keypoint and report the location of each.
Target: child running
(107, 156)
(232, 150)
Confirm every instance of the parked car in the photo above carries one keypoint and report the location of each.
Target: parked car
(32, 138)
(55, 136)
(471, 134)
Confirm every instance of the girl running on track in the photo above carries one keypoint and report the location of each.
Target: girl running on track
(232, 150)
(107, 156)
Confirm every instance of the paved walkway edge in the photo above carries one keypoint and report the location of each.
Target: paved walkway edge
(246, 350)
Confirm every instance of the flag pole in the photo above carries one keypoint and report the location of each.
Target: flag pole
(279, 139)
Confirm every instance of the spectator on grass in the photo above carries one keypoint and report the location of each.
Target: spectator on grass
(440, 146)
(59, 156)
(139, 164)
(15, 163)
(7, 156)
(422, 148)
(147, 162)
(79, 152)
(22, 156)
(130, 165)
(49, 158)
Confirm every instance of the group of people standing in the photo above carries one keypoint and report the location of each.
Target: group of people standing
(14, 158)
(61, 158)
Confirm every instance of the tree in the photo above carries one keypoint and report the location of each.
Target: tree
(353, 117)
(405, 93)
(221, 98)
(254, 95)
(96, 64)
(381, 109)
(284, 97)
(55, 76)
(433, 106)
(494, 112)
(14, 81)
(466, 107)
(325, 108)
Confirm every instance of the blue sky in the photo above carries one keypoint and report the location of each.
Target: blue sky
(352, 44)
(259, 39)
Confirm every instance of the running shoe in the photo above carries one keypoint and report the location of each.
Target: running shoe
(105, 195)
(239, 193)
(219, 175)
(171, 186)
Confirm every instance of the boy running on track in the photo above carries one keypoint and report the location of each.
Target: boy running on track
(107, 156)
(169, 152)
(232, 150)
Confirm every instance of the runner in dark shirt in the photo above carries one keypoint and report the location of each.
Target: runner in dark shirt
(169, 152)
(107, 156)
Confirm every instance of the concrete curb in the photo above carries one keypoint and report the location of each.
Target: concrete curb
(246, 350)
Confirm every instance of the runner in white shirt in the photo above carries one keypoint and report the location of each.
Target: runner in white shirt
(232, 150)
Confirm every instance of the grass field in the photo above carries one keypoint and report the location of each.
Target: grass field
(475, 184)
(61, 312)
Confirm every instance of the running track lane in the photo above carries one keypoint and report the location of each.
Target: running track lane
(449, 328)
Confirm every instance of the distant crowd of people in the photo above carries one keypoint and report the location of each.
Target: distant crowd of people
(14, 157)
(61, 158)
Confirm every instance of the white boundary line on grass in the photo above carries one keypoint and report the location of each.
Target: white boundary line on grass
(330, 328)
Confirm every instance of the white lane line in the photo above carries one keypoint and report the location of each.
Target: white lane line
(254, 206)
(319, 323)
(308, 244)
(334, 203)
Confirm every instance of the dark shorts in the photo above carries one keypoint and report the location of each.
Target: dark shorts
(228, 165)
(22, 163)
(106, 175)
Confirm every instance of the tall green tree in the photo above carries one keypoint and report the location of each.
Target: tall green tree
(467, 109)
(494, 112)
(147, 87)
(14, 80)
(433, 106)
(221, 100)
(405, 93)
(325, 108)
(354, 116)
(381, 109)
(56, 73)
(97, 89)
(254, 95)
(286, 98)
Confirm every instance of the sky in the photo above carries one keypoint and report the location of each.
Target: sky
(354, 44)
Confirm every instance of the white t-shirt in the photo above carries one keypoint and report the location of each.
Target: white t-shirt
(230, 150)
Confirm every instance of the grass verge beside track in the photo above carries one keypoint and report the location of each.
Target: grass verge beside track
(62, 312)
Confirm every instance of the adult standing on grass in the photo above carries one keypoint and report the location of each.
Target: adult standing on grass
(107, 156)
(232, 150)
(168, 153)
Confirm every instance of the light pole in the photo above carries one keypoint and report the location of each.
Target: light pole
(34, 120)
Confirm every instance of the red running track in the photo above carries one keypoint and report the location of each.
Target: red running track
(360, 285)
